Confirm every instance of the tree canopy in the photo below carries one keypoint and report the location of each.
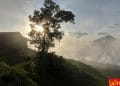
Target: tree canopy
(49, 17)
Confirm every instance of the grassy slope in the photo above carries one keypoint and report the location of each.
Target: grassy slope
(87, 75)
(74, 74)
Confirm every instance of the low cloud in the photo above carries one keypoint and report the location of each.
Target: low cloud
(70, 46)
(77, 34)
(104, 50)
(114, 26)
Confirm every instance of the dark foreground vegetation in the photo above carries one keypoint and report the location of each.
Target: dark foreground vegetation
(47, 70)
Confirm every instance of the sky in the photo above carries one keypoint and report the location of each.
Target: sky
(94, 18)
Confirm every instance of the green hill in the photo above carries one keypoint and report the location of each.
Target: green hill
(53, 70)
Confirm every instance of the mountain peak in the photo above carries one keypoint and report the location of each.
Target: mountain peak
(105, 40)
(109, 37)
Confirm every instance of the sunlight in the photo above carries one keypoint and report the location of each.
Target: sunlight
(39, 28)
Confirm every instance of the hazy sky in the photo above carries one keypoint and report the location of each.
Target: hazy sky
(92, 16)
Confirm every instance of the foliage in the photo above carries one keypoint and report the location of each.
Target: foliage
(10, 76)
(50, 17)
(12, 60)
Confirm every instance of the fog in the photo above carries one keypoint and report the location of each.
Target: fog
(101, 50)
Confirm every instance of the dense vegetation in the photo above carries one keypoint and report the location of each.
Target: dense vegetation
(47, 69)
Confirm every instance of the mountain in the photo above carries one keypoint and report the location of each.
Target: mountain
(105, 40)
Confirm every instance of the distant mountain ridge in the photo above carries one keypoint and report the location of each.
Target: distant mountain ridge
(12, 42)
(104, 40)
(108, 37)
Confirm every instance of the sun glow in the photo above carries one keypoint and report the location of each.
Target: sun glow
(39, 28)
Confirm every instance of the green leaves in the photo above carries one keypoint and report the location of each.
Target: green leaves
(50, 18)
(66, 16)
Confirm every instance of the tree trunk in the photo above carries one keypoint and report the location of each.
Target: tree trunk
(44, 45)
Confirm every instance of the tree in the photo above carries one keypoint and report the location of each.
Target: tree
(49, 17)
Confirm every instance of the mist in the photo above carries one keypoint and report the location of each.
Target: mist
(101, 50)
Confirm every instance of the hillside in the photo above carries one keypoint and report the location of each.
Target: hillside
(109, 70)
(57, 71)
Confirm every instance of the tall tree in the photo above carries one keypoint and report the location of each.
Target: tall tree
(49, 17)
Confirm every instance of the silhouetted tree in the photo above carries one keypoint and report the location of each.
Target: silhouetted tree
(50, 17)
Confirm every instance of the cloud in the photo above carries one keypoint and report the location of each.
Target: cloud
(107, 53)
(113, 26)
(78, 34)
(70, 47)
(102, 33)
